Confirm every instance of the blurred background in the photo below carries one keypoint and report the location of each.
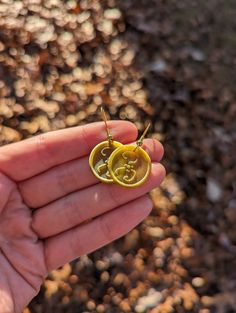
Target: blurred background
(169, 62)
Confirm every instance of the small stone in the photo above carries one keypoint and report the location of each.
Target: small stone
(35, 23)
(100, 308)
(105, 277)
(44, 37)
(149, 301)
(120, 279)
(214, 190)
(158, 253)
(207, 301)
(198, 282)
(158, 66)
(65, 38)
(156, 232)
(173, 220)
(83, 16)
(125, 306)
(112, 14)
(71, 120)
(116, 258)
(88, 28)
(91, 305)
(51, 287)
(8, 134)
(106, 27)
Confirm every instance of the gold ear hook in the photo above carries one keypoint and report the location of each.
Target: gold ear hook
(104, 117)
(100, 154)
(140, 141)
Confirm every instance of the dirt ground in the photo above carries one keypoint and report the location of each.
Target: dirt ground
(169, 62)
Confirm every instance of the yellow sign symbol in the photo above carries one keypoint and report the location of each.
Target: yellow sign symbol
(98, 160)
(129, 166)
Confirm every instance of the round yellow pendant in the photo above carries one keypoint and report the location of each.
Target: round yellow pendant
(129, 166)
(98, 159)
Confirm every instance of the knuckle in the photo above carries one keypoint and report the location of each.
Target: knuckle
(112, 195)
(62, 175)
(106, 228)
(72, 212)
(76, 245)
(85, 137)
(43, 150)
(26, 194)
(66, 178)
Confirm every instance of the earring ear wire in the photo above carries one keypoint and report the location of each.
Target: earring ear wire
(139, 142)
(104, 117)
(99, 156)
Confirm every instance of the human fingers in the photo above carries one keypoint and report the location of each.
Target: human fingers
(6, 187)
(88, 237)
(30, 157)
(88, 203)
(66, 178)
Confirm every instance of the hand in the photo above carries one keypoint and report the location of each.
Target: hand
(52, 208)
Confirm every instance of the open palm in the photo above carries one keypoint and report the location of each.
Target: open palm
(52, 208)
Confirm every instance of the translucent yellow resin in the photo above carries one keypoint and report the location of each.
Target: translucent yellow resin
(129, 166)
(98, 159)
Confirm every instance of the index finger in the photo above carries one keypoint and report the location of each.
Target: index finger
(30, 157)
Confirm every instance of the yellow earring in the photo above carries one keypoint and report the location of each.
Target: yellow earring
(130, 166)
(98, 159)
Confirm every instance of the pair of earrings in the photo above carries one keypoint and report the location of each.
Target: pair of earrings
(125, 165)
